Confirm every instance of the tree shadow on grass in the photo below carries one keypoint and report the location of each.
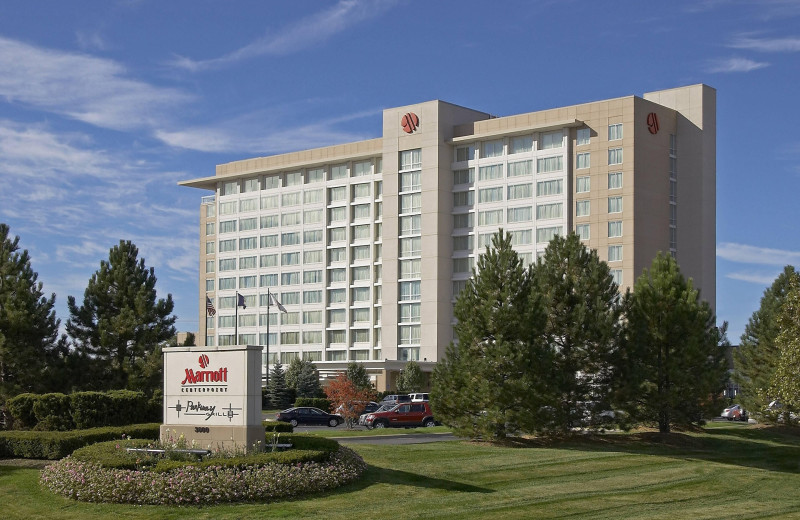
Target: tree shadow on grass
(771, 449)
(393, 477)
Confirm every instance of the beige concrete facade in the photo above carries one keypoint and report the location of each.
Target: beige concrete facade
(379, 266)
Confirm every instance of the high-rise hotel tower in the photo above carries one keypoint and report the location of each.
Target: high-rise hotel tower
(367, 244)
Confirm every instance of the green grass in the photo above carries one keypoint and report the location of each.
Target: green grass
(730, 471)
(341, 432)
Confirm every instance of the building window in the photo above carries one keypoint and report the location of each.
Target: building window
(268, 280)
(583, 184)
(465, 153)
(545, 235)
(464, 176)
(584, 135)
(248, 243)
(310, 317)
(520, 144)
(290, 258)
(290, 199)
(463, 265)
(552, 140)
(524, 214)
(614, 228)
(361, 191)
(463, 220)
(409, 268)
(227, 245)
(362, 168)
(490, 218)
(209, 284)
(360, 253)
(293, 179)
(487, 173)
(411, 203)
(411, 225)
(209, 228)
(411, 159)
(522, 237)
(269, 221)
(313, 196)
(547, 188)
(463, 243)
(409, 291)
(269, 241)
(226, 284)
(583, 231)
(546, 211)
(289, 219)
(247, 282)
(550, 164)
(463, 198)
(616, 275)
(338, 172)
(229, 188)
(614, 253)
(312, 257)
(409, 334)
(361, 273)
(492, 149)
(361, 231)
(410, 181)
(316, 175)
(361, 211)
(247, 262)
(520, 191)
(227, 264)
(518, 169)
(271, 182)
(615, 132)
(338, 194)
(290, 239)
(614, 180)
(409, 313)
(292, 278)
(410, 246)
(229, 226)
(490, 195)
(227, 208)
(615, 204)
(582, 208)
(615, 156)
(361, 294)
(583, 160)
(248, 205)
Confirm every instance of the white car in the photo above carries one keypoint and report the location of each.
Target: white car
(734, 413)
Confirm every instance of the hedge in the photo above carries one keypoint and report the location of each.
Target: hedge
(55, 445)
(317, 402)
(83, 410)
(277, 426)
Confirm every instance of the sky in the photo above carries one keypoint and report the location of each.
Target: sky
(106, 105)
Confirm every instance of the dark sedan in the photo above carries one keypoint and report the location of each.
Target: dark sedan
(308, 415)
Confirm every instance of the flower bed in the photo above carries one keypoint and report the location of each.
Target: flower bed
(212, 481)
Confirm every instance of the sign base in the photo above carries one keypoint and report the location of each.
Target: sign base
(247, 438)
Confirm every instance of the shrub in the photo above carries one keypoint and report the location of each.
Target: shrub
(90, 409)
(20, 408)
(317, 402)
(127, 407)
(55, 445)
(52, 412)
(277, 426)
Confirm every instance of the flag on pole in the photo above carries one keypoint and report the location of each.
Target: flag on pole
(210, 307)
(277, 303)
(240, 301)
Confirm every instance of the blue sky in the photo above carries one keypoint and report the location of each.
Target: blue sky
(106, 105)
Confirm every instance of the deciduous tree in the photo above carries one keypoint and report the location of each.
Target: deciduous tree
(785, 382)
(120, 322)
(673, 368)
(302, 377)
(348, 399)
(357, 373)
(410, 378)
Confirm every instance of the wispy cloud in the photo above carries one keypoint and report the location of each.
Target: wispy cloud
(766, 44)
(735, 65)
(305, 33)
(760, 278)
(93, 90)
(745, 254)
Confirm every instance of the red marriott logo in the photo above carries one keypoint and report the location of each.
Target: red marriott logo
(205, 376)
(410, 122)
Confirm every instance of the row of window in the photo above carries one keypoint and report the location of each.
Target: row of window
(583, 207)
(585, 134)
(583, 159)
(298, 178)
(517, 144)
(490, 172)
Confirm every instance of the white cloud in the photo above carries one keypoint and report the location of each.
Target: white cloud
(736, 65)
(762, 278)
(93, 90)
(305, 33)
(90, 41)
(767, 44)
(745, 254)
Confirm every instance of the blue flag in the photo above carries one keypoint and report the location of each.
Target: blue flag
(240, 301)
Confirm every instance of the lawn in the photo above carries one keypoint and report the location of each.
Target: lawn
(723, 472)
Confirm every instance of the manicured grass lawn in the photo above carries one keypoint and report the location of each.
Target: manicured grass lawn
(728, 471)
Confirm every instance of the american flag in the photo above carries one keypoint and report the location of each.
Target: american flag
(210, 307)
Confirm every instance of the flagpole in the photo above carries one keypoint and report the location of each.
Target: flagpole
(236, 324)
(269, 304)
(205, 335)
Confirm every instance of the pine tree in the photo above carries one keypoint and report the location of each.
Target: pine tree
(280, 395)
(302, 377)
(756, 358)
(410, 379)
(582, 328)
(785, 382)
(120, 322)
(357, 373)
(488, 386)
(673, 368)
(29, 343)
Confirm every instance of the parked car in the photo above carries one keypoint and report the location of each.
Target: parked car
(406, 415)
(362, 406)
(734, 413)
(775, 412)
(308, 415)
(419, 397)
(396, 399)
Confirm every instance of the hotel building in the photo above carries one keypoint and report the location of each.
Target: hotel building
(367, 244)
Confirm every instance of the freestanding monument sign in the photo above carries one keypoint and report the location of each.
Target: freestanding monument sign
(212, 396)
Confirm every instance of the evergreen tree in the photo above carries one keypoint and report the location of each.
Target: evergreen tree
(29, 343)
(308, 382)
(120, 322)
(488, 385)
(673, 366)
(280, 395)
(190, 340)
(785, 382)
(358, 375)
(410, 379)
(582, 328)
(755, 360)
(293, 370)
